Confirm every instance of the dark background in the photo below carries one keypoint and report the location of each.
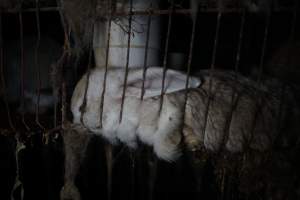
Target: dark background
(41, 166)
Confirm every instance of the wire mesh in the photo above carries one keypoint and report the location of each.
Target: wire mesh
(149, 13)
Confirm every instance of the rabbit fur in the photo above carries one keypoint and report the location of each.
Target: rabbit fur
(254, 117)
(141, 118)
(241, 113)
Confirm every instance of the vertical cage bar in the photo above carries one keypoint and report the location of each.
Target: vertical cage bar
(60, 3)
(189, 64)
(37, 108)
(11, 125)
(64, 104)
(146, 51)
(127, 62)
(264, 46)
(240, 42)
(191, 50)
(212, 67)
(67, 47)
(106, 63)
(234, 97)
(84, 102)
(22, 70)
(61, 62)
(55, 113)
(171, 9)
(259, 77)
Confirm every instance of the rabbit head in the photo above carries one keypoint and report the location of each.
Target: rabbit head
(140, 118)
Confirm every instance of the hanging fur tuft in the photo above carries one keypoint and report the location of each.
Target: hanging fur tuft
(80, 17)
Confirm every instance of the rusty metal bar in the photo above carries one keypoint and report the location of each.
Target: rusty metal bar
(11, 125)
(166, 56)
(55, 114)
(60, 60)
(259, 77)
(146, 53)
(63, 103)
(64, 25)
(37, 108)
(22, 71)
(155, 12)
(240, 42)
(264, 47)
(106, 64)
(189, 64)
(58, 66)
(212, 68)
(84, 102)
(127, 63)
(234, 98)
(61, 63)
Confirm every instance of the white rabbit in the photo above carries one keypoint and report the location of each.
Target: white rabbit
(253, 122)
(141, 118)
(242, 114)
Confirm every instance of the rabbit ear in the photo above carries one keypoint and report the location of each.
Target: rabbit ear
(174, 81)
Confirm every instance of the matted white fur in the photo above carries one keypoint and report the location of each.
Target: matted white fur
(141, 118)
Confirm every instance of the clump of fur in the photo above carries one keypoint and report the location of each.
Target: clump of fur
(81, 16)
(76, 140)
